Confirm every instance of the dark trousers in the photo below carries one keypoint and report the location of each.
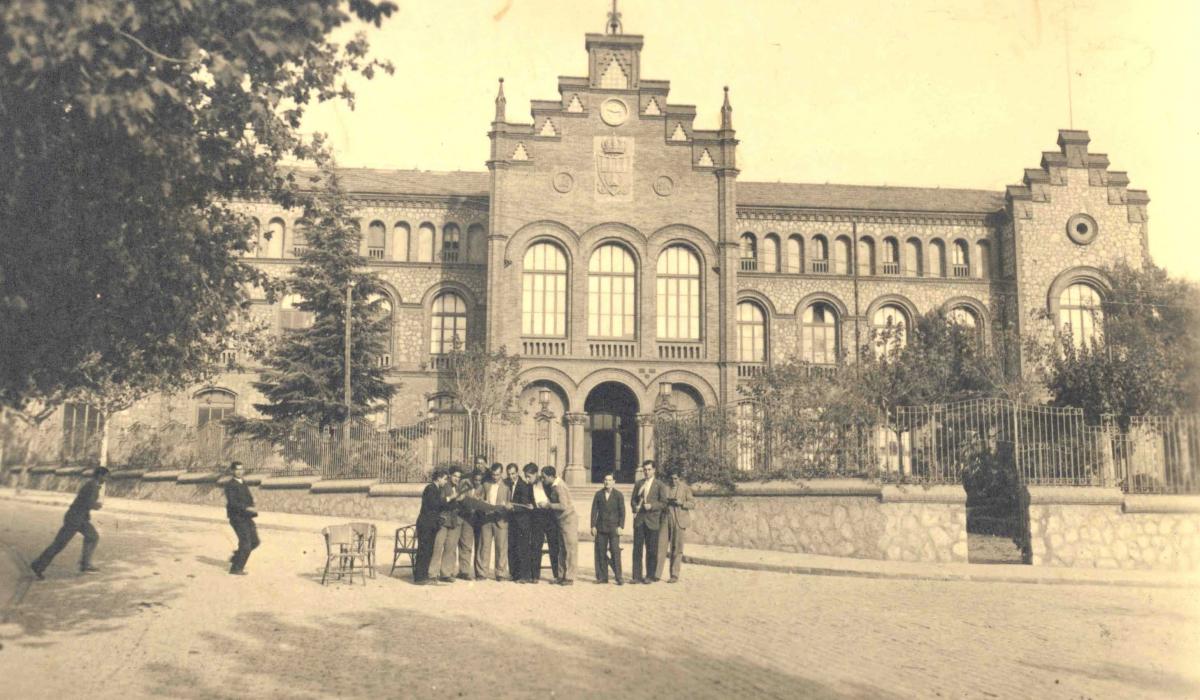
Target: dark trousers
(543, 530)
(645, 539)
(608, 550)
(516, 546)
(69, 527)
(247, 535)
(425, 539)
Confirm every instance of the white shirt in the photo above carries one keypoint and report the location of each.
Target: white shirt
(539, 495)
(646, 487)
(493, 489)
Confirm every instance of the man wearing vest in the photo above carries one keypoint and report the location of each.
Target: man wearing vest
(649, 500)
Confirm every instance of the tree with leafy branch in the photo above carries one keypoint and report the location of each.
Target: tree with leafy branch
(303, 378)
(485, 383)
(130, 129)
(1145, 360)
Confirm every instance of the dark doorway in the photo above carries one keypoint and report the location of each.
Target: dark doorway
(611, 433)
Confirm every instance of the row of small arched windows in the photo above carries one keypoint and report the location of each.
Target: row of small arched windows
(400, 243)
(818, 256)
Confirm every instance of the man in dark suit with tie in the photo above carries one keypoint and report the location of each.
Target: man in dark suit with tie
(77, 519)
(521, 531)
(649, 500)
(510, 483)
(239, 507)
(433, 501)
(608, 519)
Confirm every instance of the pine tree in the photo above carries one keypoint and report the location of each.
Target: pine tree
(303, 377)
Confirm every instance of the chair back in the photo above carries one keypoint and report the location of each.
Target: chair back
(406, 537)
(365, 532)
(338, 538)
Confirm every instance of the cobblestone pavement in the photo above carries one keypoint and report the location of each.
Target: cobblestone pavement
(164, 619)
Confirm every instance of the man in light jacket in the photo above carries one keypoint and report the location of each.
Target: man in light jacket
(568, 525)
(678, 517)
(493, 528)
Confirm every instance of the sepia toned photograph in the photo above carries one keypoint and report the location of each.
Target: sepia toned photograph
(545, 349)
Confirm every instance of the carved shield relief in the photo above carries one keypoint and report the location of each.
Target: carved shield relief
(614, 167)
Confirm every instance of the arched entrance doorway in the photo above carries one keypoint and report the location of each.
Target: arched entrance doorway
(610, 440)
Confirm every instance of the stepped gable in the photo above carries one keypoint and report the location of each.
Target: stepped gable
(1073, 153)
(867, 197)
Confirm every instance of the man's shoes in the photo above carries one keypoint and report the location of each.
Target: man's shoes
(422, 582)
(601, 580)
(650, 581)
(637, 579)
(40, 573)
(465, 577)
(620, 582)
(89, 569)
(446, 579)
(673, 579)
(566, 582)
(239, 572)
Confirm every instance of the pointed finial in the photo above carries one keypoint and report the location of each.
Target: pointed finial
(614, 20)
(500, 102)
(726, 112)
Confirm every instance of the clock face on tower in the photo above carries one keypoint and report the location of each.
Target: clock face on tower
(614, 112)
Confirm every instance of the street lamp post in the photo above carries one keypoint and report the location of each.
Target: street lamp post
(348, 394)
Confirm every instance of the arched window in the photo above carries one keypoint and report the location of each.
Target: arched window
(913, 260)
(937, 258)
(476, 244)
(425, 242)
(1080, 313)
(966, 317)
(795, 254)
(612, 293)
(820, 254)
(299, 239)
(819, 334)
(866, 256)
(984, 249)
(891, 325)
(255, 244)
(451, 239)
(449, 324)
(749, 252)
(770, 254)
(544, 291)
(377, 241)
(841, 252)
(214, 406)
(752, 333)
(384, 313)
(401, 233)
(291, 317)
(891, 256)
(444, 403)
(678, 294)
(962, 259)
(272, 245)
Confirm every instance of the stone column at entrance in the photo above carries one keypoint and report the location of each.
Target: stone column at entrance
(575, 471)
(645, 423)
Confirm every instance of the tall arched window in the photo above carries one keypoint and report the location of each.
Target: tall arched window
(678, 294)
(752, 333)
(214, 406)
(1080, 313)
(451, 242)
(612, 293)
(401, 233)
(476, 244)
(383, 312)
(273, 245)
(913, 260)
(819, 334)
(749, 252)
(962, 259)
(544, 291)
(376, 241)
(891, 326)
(891, 256)
(291, 317)
(984, 257)
(937, 258)
(770, 254)
(425, 242)
(967, 318)
(795, 254)
(820, 254)
(449, 323)
(866, 256)
(841, 252)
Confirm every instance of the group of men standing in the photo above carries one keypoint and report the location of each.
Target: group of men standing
(495, 522)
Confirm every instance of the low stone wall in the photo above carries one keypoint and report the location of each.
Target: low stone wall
(845, 518)
(1104, 528)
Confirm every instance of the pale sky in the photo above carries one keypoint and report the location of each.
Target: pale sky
(915, 92)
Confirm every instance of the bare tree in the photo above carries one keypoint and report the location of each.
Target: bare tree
(486, 383)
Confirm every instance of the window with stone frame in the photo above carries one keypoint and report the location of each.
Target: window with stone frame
(544, 291)
(752, 333)
(749, 247)
(214, 406)
(448, 319)
(890, 324)
(819, 333)
(451, 243)
(678, 294)
(1081, 314)
(612, 293)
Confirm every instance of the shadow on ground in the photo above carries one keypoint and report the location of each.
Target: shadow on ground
(454, 655)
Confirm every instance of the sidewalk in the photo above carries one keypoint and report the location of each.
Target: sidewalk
(703, 555)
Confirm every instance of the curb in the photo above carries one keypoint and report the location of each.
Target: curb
(23, 581)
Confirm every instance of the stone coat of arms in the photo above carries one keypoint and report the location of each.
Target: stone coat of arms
(614, 167)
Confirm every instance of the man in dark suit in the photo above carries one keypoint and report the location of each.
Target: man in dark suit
(77, 519)
(510, 483)
(433, 501)
(239, 508)
(608, 519)
(522, 524)
(676, 520)
(649, 499)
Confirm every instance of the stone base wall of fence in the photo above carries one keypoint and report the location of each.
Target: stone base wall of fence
(837, 517)
(1105, 528)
